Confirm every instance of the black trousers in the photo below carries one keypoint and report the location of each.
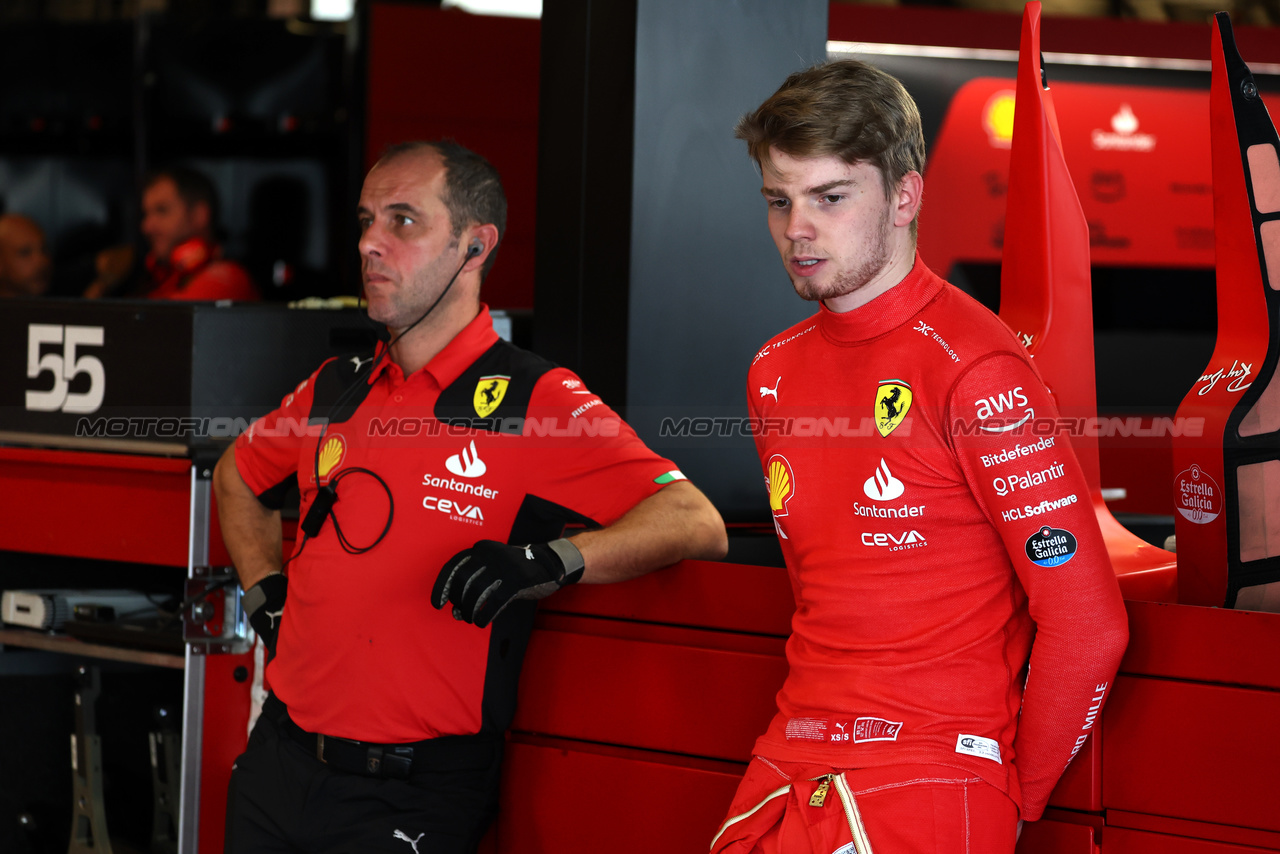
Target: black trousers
(282, 799)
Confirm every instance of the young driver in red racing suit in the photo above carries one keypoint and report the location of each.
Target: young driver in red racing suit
(932, 526)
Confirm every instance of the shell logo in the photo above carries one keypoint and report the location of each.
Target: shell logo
(781, 483)
(997, 118)
(331, 455)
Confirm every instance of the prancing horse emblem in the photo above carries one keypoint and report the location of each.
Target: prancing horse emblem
(489, 393)
(893, 399)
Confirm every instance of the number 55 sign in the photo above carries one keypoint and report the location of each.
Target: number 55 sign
(65, 366)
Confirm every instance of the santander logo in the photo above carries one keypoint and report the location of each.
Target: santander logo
(883, 486)
(1124, 134)
(466, 465)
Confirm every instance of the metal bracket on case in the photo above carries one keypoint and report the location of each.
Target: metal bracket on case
(214, 623)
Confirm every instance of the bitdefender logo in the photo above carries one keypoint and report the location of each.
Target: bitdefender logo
(466, 465)
(883, 486)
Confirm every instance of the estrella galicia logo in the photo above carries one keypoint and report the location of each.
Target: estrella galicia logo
(1051, 546)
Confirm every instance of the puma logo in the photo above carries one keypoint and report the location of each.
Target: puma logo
(400, 834)
(357, 361)
(765, 391)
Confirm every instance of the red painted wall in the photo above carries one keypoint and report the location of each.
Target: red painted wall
(434, 74)
(1000, 31)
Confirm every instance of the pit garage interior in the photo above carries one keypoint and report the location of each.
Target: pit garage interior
(637, 256)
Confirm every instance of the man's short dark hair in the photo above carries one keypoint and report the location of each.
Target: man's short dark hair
(193, 188)
(844, 108)
(473, 191)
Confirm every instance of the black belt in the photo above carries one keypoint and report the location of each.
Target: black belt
(398, 761)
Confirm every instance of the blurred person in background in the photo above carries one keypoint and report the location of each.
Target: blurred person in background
(24, 259)
(184, 260)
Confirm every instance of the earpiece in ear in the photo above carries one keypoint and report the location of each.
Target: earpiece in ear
(475, 248)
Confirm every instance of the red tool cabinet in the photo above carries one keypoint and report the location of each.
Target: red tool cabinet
(151, 510)
(640, 702)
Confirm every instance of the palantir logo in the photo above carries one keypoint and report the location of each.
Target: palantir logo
(466, 465)
(883, 486)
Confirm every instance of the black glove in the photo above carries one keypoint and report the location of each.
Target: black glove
(481, 580)
(264, 603)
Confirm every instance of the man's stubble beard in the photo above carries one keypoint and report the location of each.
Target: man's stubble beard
(850, 281)
(405, 305)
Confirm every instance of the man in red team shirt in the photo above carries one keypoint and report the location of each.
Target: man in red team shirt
(179, 213)
(929, 533)
(394, 678)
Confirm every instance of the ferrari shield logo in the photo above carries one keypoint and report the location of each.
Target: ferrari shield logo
(489, 393)
(893, 399)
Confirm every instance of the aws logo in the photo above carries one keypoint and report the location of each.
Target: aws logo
(998, 404)
(332, 453)
(781, 482)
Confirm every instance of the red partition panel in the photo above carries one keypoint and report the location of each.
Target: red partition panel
(565, 798)
(728, 596)
(1056, 837)
(1203, 644)
(1117, 840)
(1199, 752)
(1197, 829)
(673, 697)
(1081, 785)
(105, 506)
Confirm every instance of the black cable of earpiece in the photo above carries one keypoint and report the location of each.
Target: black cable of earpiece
(474, 249)
(384, 335)
(326, 495)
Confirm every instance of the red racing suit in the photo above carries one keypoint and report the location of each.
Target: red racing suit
(933, 523)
